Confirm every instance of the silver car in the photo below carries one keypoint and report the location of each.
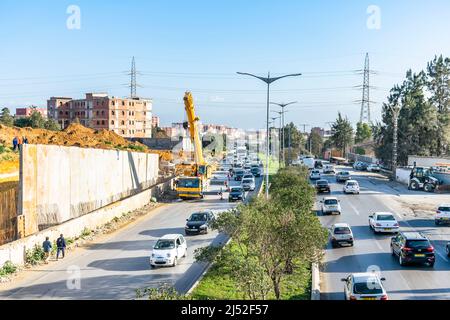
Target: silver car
(341, 233)
(331, 205)
(364, 286)
(248, 184)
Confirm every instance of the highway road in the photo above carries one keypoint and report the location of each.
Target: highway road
(115, 265)
(372, 252)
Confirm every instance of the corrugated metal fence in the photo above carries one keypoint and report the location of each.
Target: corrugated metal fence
(8, 214)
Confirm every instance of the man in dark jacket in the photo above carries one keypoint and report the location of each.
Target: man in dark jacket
(61, 246)
(47, 247)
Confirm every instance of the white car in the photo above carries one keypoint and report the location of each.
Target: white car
(248, 184)
(442, 214)
(341, 233)
(328, 168)
(364, 286)
(351, 186)
(383, 222)
(373, 168)
(314, 175)
(331, 205)
(168, 250)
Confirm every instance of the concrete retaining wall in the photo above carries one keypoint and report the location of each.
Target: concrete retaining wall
(428, 161)
(62, 183)
(15, 251)
(402, 175)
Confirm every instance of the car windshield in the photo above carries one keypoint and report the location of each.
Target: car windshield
(236, 189)
(188, 183)
(418, 244)
(352, 184)
(344, 173)
(447, 209)
(240, 173)
(322, 183)
(342, 230)
(164, 244)
(331, 202)
(371, 286)
(315, 172)
(385, 217)
(198, 217)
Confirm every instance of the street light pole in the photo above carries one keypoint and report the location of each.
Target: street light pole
(282, 106)
(268, 81)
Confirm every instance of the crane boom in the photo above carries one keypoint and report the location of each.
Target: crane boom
(193, 128)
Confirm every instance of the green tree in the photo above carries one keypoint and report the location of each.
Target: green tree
(6, 118)
(316, 141)
(438, 84)
(363, 132)
(22, 122)
(273, 237)
(36, 120)
(418, 122)
(343, 133)
(52, 124)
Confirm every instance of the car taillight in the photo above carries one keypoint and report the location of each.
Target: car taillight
(396, 225)
(430, 249)
(378, 224)
(406, 249)
(438, 211)
(384, 297)
(353, 298)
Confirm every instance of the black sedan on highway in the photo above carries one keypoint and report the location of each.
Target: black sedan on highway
(199, 222)
(236, 194)
(323, 186)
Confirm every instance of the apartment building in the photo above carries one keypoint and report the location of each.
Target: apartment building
(128, 117)
(26, 112)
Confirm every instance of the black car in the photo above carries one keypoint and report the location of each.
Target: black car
(256, 171)
(236, 194)
(239, 174)
(323, 186)
(198, 222)
(413, 247)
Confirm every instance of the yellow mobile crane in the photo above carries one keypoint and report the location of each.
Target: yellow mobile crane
(195, 179)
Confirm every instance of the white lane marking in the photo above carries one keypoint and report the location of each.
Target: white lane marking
(377, 243)
(353, 207)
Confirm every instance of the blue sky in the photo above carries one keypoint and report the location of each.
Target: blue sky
(199, 45)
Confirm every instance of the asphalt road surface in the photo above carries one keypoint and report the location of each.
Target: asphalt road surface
(372, 252)
(115, 265)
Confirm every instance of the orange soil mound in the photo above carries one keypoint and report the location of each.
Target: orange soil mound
(76, 135)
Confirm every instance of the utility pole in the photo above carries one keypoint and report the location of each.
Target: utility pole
(290, 153)
(396, 112)
(268, 81)
(283, 106)
(304, 125)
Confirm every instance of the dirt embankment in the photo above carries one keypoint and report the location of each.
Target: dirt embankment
(74, 135)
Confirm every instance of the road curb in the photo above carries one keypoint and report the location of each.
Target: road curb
(196, 283)
(315, 282)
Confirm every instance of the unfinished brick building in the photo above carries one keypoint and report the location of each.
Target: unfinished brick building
(128, 117)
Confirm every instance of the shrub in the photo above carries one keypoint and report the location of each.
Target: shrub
(8, 268)
(34, 256)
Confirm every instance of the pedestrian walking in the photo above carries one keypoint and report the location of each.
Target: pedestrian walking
(25, 140)
(61, 246)
(221, 194)
(47, 247)
(15, 143)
